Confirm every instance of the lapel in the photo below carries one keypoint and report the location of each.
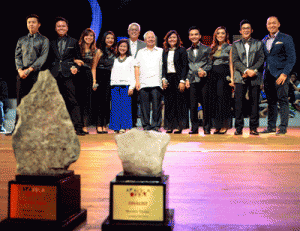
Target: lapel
(200, 52)
(55, 48)
(252, 52)
(67, 45)
(241, 51)
(66, 48)
(275, 41)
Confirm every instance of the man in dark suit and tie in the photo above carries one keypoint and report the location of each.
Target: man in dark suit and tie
(280, 55)
(248, 60)
(63, 52)
(200, 64)
(135, 45)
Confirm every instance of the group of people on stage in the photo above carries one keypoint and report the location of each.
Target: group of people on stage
(125, 72)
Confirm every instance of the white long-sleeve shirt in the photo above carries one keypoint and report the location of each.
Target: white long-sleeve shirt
(122, 73)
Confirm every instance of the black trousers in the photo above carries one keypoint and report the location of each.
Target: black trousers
(24, 87)
(147, 95)
(134, 107)
(240, 93)
(198, 94)
(67, 90)
(83, 85)
(277, 94)
(176, 106)
(102, 97)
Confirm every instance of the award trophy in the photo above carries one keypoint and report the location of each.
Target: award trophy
(139, 194)
(45, 195)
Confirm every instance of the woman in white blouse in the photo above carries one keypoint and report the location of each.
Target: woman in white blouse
(122, 85)
(175, 68)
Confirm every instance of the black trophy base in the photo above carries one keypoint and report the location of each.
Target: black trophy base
(38, 225)
(168, 225)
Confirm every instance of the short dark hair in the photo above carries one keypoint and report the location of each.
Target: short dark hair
(118, 45)
(244, 21)
(33, 16)
(194, 28)
(57, 19)
(167, 45)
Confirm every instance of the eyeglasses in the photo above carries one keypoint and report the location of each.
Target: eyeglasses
(246, 28)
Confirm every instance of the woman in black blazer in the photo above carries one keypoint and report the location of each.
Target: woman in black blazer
(175, 67)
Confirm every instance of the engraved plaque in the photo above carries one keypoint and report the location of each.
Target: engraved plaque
(33, 202)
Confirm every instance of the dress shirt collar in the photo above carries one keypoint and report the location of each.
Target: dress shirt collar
(272, 36)
(33, 35)
(249, 40)
(131, 42)
(196, 46)
(154, 48)
(63, 38)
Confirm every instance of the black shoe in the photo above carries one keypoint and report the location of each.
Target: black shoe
(80, 133)
(169, 131)
(280, 132)
(99, 132)
(9, 134)
(178, 132)
(254, 132)
(86, 132)
(104, 132)
(238, 133)
(206, 132)
(217, 131)
(224, 132)
(268, 131)
(193, 132)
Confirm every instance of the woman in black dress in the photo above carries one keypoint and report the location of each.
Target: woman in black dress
(103, 95)
(85, 78)
(174, 71)
(219, 88)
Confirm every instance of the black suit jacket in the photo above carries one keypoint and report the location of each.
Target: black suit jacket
(180, 63)
(282, 56)
(255, 59)
(66, 60)
(202, 60)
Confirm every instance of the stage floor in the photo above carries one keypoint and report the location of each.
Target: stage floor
(217, 182)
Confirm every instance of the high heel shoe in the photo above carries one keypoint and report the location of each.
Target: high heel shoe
(169, 131)
(178, 132)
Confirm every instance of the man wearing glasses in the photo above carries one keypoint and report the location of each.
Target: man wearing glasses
(247, 59)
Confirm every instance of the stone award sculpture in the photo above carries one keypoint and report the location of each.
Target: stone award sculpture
(45, 195)
(142, 153)
(139, 194)
(44, 140)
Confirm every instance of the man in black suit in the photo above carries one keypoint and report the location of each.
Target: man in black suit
(63, 52)
(200, 64)
(280, 55)
(248, 60)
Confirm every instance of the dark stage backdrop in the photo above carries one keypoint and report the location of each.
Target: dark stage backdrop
(157, 15)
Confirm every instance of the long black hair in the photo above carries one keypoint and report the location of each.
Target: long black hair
(102, 44)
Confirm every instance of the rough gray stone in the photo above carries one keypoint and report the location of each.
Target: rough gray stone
(142, 152)
(44, 140)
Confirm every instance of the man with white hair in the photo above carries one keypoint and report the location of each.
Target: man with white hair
(148, 74)
(135, 45)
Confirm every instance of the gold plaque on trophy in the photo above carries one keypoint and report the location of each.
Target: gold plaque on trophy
(33, 202)
(138, 202)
